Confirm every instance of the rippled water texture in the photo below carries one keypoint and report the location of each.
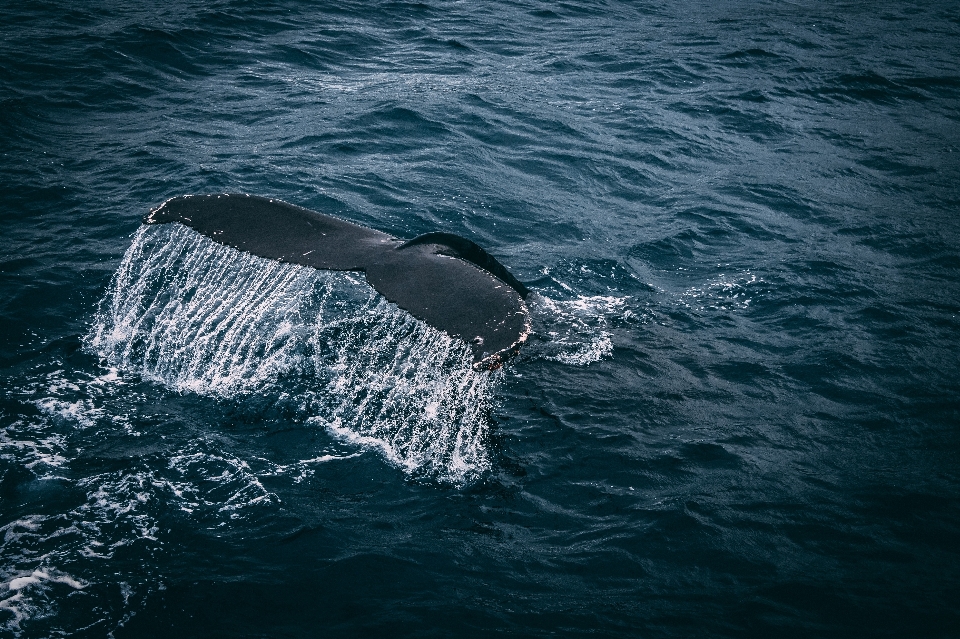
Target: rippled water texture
(737, 414)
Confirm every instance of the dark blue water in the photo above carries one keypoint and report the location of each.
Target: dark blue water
(739, 412)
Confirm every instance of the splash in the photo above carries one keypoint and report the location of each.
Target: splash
(575, 331)
(204, 318)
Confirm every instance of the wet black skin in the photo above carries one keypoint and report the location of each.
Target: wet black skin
(445, 280)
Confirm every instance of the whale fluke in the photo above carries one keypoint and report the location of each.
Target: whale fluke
(445, 280)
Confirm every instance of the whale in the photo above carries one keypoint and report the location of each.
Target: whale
(447, 281)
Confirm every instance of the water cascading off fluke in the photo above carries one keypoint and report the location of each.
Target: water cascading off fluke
(201, 317)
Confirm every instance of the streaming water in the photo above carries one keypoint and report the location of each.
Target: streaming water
(197, 316)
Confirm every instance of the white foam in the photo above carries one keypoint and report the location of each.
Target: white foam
(20, 608)
(322, 459)
(38, 453)
(303, 468)
(25, 603)
(121, 508)
(20, 582)
(575, 331)
(44, 575)
(81, 412)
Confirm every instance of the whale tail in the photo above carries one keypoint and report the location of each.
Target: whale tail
(445, 280)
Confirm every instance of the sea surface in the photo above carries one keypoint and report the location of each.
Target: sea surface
(738, 414)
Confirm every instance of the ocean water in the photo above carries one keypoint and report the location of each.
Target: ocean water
(738, 414)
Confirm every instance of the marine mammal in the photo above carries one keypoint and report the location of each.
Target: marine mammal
(443, 279)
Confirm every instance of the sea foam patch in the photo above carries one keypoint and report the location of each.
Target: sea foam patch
(200, 317)
(576, 331)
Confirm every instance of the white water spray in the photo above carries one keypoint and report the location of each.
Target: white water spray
(197, 316)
